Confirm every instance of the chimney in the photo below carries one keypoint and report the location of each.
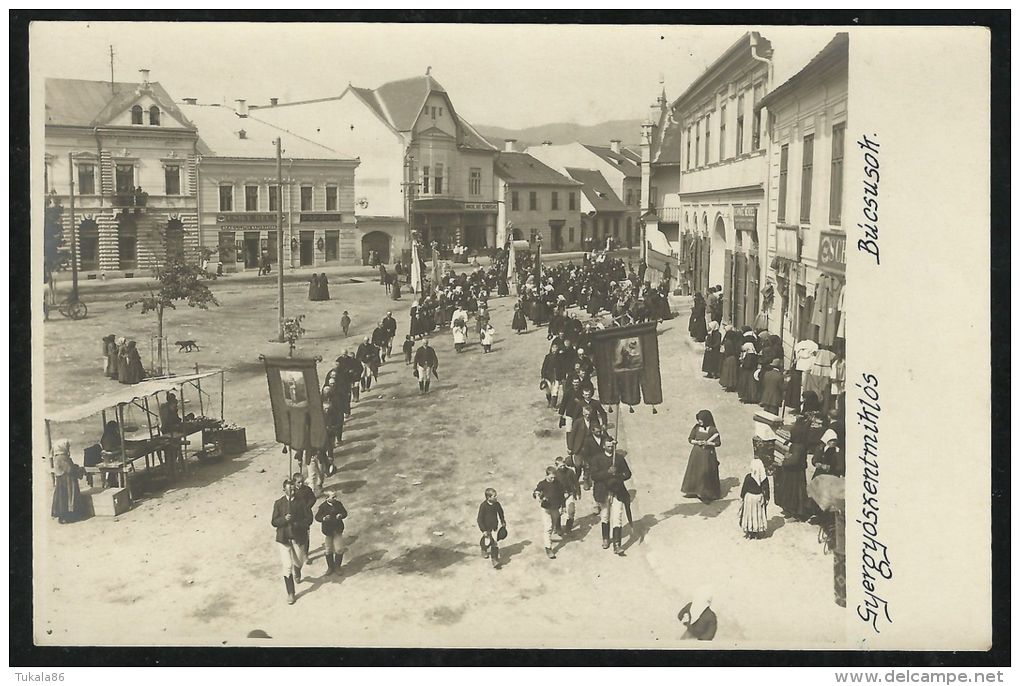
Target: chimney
(190, 101)
(145, 76)
(546, 142)
(614, 145)
(508, 144)
(273, 102)
(242, 107)
(242, 134)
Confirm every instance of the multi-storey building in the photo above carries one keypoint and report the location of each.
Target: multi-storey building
(615, 189)
(806, 225)
(536, 200)
(710, 141)
(422, 165)
(132, 154)
(239, 193)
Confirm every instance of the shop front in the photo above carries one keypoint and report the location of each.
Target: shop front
(245, 238)
(743, 270)
(453, 222)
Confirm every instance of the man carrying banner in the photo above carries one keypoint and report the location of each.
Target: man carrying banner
(610, 471)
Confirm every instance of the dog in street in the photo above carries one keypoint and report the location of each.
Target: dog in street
(187, 346)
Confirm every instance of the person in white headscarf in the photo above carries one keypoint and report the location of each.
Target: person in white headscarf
(67, 502)
(698, 617)
(754, 500)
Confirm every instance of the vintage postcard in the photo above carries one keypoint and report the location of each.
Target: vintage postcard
(667, 337)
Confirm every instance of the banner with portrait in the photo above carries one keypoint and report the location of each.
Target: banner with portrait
(296, 400)
(627, 364)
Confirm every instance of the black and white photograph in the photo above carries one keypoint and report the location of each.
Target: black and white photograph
(423, 236)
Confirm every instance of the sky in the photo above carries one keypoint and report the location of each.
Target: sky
(513, 76)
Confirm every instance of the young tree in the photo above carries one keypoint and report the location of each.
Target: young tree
(176, 280)
(292, 331)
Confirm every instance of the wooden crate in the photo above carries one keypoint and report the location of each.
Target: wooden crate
(231, 441)
(110, 502)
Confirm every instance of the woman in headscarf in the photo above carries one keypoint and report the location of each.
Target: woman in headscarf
(520, 322)
(701, 479)
(771, 385)
(754, 500)
(696, 326)
(791, 478)
(110, 353)
(745, 377)
(323, 287)
(395, 291)
(710, 362)
(67, 503)
(313, 288)
(133, 371)
(698, 617)
(729, 368)
(122, 359)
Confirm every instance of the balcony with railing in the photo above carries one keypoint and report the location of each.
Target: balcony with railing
(136, 198)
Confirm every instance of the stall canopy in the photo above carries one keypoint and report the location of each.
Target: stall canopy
(125, 395)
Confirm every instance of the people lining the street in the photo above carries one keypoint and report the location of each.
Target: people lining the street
(67, 505)
(754, 500)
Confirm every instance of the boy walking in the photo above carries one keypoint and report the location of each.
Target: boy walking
(550, 495)
(490, 520)
(408, 348)
(331, 514)
(567, 477)
(345, 323)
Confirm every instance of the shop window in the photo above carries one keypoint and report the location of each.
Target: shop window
(86, 179)
(251, 198)
(807, 169)
(332, 198)
(226, 198)
(172, 177)
(136, 114)
(784, 160)
(154, 116)
(836, 175)
(306, 198)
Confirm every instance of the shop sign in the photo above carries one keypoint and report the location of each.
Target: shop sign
(480, 207)
(832, 252)
(788, 243)
(247, 218)
(321, 217)
(745, 218)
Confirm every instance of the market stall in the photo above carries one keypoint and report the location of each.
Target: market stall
(157, 441)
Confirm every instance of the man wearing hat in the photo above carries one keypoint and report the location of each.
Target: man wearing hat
(425, 365)
(609, 472)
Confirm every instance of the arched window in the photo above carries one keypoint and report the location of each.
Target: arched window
(136, 114)
(154, 116)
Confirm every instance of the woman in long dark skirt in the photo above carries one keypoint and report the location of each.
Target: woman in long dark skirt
(771, 385)
(520, 322)
(710, 361)
(313, 288)
(791, 478)
(701, 479)
(110, 353)
(696, 326)
(745, 377)
(730, 365)
(67, 502)
(323, 287)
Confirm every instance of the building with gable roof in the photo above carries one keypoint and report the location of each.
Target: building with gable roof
(614, 200)
(537, 201)
(133, 157)
(239, 194)
(704, 179)
(423, 166)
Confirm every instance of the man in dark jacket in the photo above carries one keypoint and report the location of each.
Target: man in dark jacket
(379, 338)
(609, 472)
(331, 514)
(570, 408)
(550, 376)
(390, 324)
(425, 365)
(291, 519)
(567, 476)
(368, 355)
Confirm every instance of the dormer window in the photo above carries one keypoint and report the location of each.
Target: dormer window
(154, 116)
(136, 114)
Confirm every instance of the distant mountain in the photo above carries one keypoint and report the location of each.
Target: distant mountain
(627, 130)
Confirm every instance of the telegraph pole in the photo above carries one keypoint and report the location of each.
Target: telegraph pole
(74, 233)
(279, 231)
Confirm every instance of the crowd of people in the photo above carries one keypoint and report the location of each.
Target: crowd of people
(808, 386)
